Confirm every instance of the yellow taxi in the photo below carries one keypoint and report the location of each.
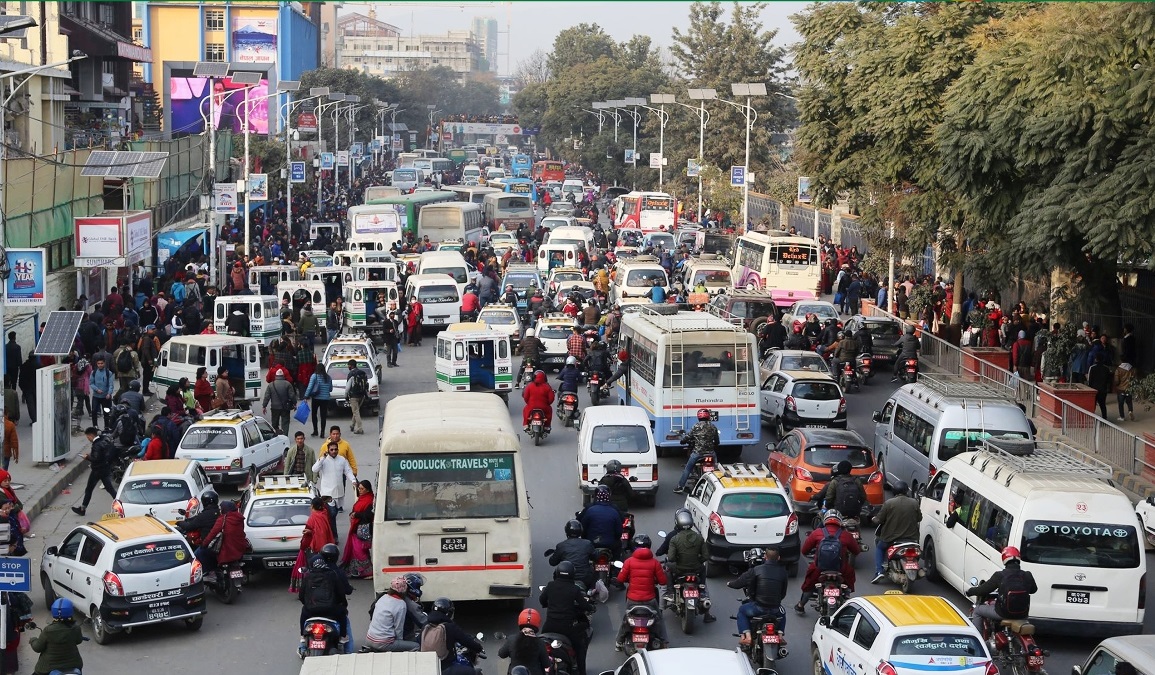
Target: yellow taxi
(738, 507)
(896, 634)
(275, 511)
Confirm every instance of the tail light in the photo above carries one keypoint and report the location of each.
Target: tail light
(792, 524)
(847, 368)
(112, 584)
(884, 668)
(194, 575)
(708, 464)
(373, 390)
(716, 525)
(536, 415)
(319, 630)
(933, 470)
(875, 477)
(118, 507)
(585, 472)
(910, 552)
(603, 559)
(866, 362)
(504, 557)
(235, 464)
(842, 405)
(1035, 658)
(791, 404)
(992, 669)
(803, 474)
(1143, 591)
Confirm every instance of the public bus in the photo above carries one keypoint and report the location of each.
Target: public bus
(379, 223)
(471, 193)
(785, 265)
(450, 220)
(509, 210)
(521, 186)
(549, 170)
(452, 498)
(522, 166)
(648, 211)
(681, 362)
(408, 207)
(380, 192)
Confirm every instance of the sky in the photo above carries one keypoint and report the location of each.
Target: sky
(534, 25)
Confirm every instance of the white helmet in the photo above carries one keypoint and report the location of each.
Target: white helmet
(570, 361)
(529, 332)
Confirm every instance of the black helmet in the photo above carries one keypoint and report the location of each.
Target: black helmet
(683, 520)
(899, 488)
(210, 498)
(134, 385)
(613, 466)
(564, 570)
(843, 468)
(329, 553)
(642, 541)
(443, 605)
(574, 529)
(414, 582)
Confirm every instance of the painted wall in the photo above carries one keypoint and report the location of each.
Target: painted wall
(299, 45)
(174, 34)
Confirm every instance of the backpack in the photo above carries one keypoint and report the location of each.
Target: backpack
(1014, 597)
(358, 385)
(124, 361)
(434, 639)
(828, 556)
(848, 497)
(318, 589)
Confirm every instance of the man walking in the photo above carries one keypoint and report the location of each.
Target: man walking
(126, 363)
(148, 351)
(101, 383)
(100, 457)
(356, 389)
(13, 357)
(282, 396)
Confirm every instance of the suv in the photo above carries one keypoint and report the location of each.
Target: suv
(751, 307)
(553, 330)
(884, 334)
(804, 459)
(350, 344)
(170, 489)
(738, 507)
(275, 511)
(801, 398)
(125, 573)
(233, 446)
(521, 276)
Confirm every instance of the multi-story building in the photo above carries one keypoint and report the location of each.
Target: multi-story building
(379, 48)
(34, 115)
(485, 32)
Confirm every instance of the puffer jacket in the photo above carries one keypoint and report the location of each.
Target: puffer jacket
(688, 552)
(643, 573)
(319, 388)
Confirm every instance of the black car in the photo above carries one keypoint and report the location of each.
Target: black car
(884, 334)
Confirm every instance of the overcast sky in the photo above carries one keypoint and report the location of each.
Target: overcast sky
(534, 25)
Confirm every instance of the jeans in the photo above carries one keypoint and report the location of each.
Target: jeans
(694, 457)
(98, 404)
(1125, 399)
(1101, 401)
(391, 353)
(319, 406)
(749, 609)
(395, 646)
(207, 558)
(880, 547)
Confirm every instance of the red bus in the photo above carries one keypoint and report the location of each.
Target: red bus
(549, 171)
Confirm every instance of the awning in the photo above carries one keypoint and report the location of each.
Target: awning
(13, 66)
(99, 40)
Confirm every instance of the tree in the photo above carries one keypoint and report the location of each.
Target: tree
(532, 70)
(583, 43)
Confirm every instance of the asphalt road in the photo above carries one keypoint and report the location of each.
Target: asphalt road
(258, 634)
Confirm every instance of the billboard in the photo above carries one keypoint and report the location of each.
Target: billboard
(254, 40)
(25, 286)
(228, 109)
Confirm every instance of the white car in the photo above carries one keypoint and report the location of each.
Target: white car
(553, 330)
(801, 398)
(685, 661)
(123, 573)
(800, 309)
(504, 318)
(899, 635)
(350, 343)
(170, 489)
(501, 236)
(338, 369)
(233, 446)
(793, 359)
(276, 510)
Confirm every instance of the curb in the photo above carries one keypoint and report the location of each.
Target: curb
(66, 475)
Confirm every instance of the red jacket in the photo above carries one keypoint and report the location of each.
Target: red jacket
(234, 544)
(538, 394)
(642, 572)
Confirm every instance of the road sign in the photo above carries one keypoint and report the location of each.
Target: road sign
(737, 176)
(358, 149)
(296, 172)
(693, 168)
(16, 575)
(656, 160)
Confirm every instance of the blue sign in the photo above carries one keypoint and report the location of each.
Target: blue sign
(737, 176)
(16, 573)
(26, 284)
(328, 161)
(358, 149)
(374, 145)
(296, 172)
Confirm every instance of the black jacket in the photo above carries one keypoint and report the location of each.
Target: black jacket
(579, 552)
(765, 584)
(201, 522)
(907, 346)
(102, 455)
(620, 490)
(454, 636)
(525, 650)
(565, 606)
(992, 585)
(775, 335)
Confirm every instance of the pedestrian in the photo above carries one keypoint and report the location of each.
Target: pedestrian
(416, 318)
(126, 365)
(203, 391)
(332, 472)
(306, 360)
(81, 374)
(356, 390)
(27, 382)
(11, 441)
(1124, 375)
(319, 392)
(300, 458)
(148, 351)
(100, 383)
(1100, 379)
(391, 334)
(13, 357)
(225, 394)
(100, 458)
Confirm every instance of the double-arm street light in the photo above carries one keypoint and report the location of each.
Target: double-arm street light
(432, 111)
(335, 98)
(701, 96)
(663, 117)
(749, 90)
(315, 93)
(629, 106)
(607, 108)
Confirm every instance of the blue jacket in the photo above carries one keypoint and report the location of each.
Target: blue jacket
(570, 378)
(318, 388)
(602, 524)
(102, 380)
(658, 294)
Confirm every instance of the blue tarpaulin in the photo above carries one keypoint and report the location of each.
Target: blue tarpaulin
(173, 240)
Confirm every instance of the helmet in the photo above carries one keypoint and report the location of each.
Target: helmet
(683, 520)
(830, 322)
(797, 328)
(623, 355)
(832, 517)
(134, 385)
(841, 334)
(754, 556)
(529, 618)
(62, 608)
(414, 581)
(443, 605)
(1011, 553)
(843, 468)
(703, 414)
(564, 570)
(899, 487)
(329, 553)
(642, 541)
(570, 361)
(210, 498)
(529, 332)
(399, 585)
(613, 466)
(574, 529)
(602, 494)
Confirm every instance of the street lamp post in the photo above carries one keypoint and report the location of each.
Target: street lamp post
(335, 97)
(432, 111)
(393, 110)
(637, 116)
(663, 117)
(701, 95)
(247, 109)
(749, 90)
(353, 107)
(612, 108)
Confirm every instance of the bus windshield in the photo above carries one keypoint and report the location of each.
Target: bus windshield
(451, 485)
(440, 218)
(706, 366)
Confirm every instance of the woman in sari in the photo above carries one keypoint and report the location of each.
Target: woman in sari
(358, 544)
(316, 534)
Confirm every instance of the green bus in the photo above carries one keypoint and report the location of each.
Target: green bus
(409, 206)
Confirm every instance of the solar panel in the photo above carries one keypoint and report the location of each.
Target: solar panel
(59, 333)
(247, 77)
(124, 164)
(211, 69)
(151, 164)
(98, 163)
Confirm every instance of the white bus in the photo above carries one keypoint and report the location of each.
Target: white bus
(451, 498)
(450, 220)
(787, 266)
(377, 223)
(474, 194)
(681, 362)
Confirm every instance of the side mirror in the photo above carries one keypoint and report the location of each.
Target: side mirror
(1077, 670)
(877, 416)
(1150, 500)
(618, 564)
(499, 635)
(662, 534)
(824, 621)
(182, 512)
(974, 581)
(480, 637)
(51, 550)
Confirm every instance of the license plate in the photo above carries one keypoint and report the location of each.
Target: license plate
(1079, 597)
(236, 574)
(626, 471)
(1034, 662)
(278, 564)
(910, 566)
(771, 638)
(831, 592)
(690, 593)
(454, 544)
(160, 613)
(439, 321)
(568, 408)
(317, 644)
(602, 567)
(641, 639)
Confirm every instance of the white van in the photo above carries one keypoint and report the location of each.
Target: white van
(406, 179)
(925, 424)
(1077, 533)
(623, 433)
(263, 279)
(551, 255)
(182, 355)
(300, 293)
(318, 229)
(446, 263)
(263, 311)
(474, 357)
(377, 270)
(573, 234)
(439, 296)
(574, 186)
(634, 278)
(471, 175)
(709, 270)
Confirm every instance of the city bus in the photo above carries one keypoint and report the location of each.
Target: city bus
(521, 166)
(648, 211)
(452, 498)
(785, 265)
(378, 223)
(408, 207)
(508, 210)
(521, 186)
(380, 192)
(450, 220)
(471, 193)
(549, 170)
(681, 362)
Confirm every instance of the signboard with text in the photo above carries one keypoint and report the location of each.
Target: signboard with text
(737, 176)
(296, 172)
(327, 161)
(225, 198)
(26, 284)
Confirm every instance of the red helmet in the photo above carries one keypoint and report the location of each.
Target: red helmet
(623, 355)
(703, 414)
(797, 328)
(529, 618)
(1011, 553)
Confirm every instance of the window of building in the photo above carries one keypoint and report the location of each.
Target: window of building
(138, 35)
(215, 20)
(107, 15)
(214, 51)
(59, 253)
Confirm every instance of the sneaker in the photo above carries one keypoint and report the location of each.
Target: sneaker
(78, 510)
(878, 577)
(679, 490)
(800, 609)
(526, 429)
(709, 618)
(1120, 419)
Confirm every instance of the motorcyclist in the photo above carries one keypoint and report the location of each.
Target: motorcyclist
(387, 620)
(643, 574)
(831, 527)
(570, 376)
(531, 348)
(772, 335)
(57, 643)
(535, 304)
(865, 340)
(442, 614)
(324, 591)
(812, 329)
(897, 521)
(907, 349)
(538, 395)
(602, 523)
(599, 359)
(567, 609)
(577, 551)
(845, 352)
(621, 371)
(797, 340)
(133, 398)
(765, 587)
(415, 616)
(705, 438)
(620, 489)
(509, 297)
(523, 648)
(1015, 587)
(202, 522)
(230, 526)
(686, 553)
(470, 303)
(844, 493)
(829, 334)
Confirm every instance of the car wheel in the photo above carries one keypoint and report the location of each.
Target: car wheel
(100, 632)
(928, 560)
(816, 660)
(779, 428)
(195, 624)
(49, 592)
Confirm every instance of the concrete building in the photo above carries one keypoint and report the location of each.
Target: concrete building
(379, 48)
(34, 117)
(485, 32)
(328, 24)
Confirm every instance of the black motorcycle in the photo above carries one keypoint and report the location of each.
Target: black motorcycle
(227, 581)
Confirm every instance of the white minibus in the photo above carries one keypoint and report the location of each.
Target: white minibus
(438, 295)
(450, 220)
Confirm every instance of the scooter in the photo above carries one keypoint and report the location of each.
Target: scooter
(864, 364)
(909, 372)
(848, 377)
(594, 386)
(227, 581)
(567, 408)
(641, 620)
(903, 565)
(831, 593)
(537, 429)
(1012, 643)
(561, 652)
(322, 637)
(526, 375)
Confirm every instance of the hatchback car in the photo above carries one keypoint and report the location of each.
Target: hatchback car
(350, 344)
(801, 398)
(804, 459)
(233, 446)
(798, 311)
(170, 489)
(685, 661)
(884, 335)
(275, 511)
(503, 318)
(793, 359)
(738, 507)
(338, 369)
(123, 573)
(899, 635)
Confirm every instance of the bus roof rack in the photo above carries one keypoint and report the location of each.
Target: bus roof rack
(1020, 455)
(662, 309)
(283, 482)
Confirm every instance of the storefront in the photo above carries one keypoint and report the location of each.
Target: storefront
(107, 245)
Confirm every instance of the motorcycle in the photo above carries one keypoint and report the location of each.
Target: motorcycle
(567, 408)
(767, 640)
(831, 593)
(594, 387)
(707, 462)
(526, 375)
(848, 377)
(561, 652)
(322, 637)
(903, 565)
(909, 372)
(641, 620)
(627, 535)
(227, 581)
(1012, 644)
(864, 365)
(537, 428)
(468, 657)
(690, 599)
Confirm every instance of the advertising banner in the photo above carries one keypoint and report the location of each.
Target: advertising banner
(342, 158)
(307, 122)
(482, 128)
(358, 149)
(98, 237)
(693, 168)
(804, 190)
(228, 107)
(225, 198)
(258, 187)
(630, 157)
(655, 160)
(254, 40)
(26, 284)
(327, 161)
